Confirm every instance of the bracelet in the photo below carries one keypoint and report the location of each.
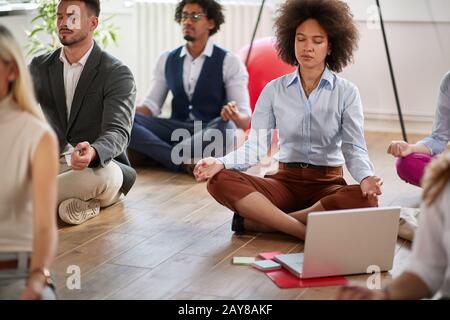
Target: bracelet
(43, 272)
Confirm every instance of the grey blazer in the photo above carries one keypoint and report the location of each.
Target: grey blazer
(102, 110)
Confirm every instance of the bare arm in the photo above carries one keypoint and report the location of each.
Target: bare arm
(44, 171)
(242, 121)
(408, 286)
(420, 148)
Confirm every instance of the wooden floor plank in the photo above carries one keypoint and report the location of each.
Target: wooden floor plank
(189, 296)
(229, 280)
(178, 236)
(219, 244)
(103, 282)
(165, 280)
(154, 219)
(71, 237)
(93, 253)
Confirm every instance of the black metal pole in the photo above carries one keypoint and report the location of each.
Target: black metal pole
(394, 85)
(254, 32)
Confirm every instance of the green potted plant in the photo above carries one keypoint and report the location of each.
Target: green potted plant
(45, 23)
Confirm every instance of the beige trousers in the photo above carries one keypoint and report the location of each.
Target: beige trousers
(91, 183)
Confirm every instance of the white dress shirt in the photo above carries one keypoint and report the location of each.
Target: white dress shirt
(430, 257)
(72, 73)
(235, 78)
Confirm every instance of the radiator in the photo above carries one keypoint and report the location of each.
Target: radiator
(156, 31)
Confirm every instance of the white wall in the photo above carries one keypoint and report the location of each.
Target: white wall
(418, 33)
(420, 54)
(419, 39)
(403, 10)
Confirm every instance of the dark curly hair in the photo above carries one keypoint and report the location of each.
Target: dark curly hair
(333, 16)
(212, 9)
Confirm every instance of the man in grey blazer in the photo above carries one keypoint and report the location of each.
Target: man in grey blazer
(88, 98)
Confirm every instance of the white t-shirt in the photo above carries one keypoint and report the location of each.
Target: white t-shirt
(430, 257)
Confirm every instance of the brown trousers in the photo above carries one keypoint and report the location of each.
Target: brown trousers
(291, 189)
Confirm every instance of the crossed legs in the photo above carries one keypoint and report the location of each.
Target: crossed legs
(159, 139)
(269, 204)
(102, 184)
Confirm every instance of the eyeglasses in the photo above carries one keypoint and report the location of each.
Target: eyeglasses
(194, 16)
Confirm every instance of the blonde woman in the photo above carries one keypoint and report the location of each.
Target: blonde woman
(29, 165)
(429, 268)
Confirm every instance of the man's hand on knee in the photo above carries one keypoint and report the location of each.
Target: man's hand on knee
(82, 156)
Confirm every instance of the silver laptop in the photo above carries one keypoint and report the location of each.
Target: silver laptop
(344, 242)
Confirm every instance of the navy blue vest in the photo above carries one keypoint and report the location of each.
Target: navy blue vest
(209, 95)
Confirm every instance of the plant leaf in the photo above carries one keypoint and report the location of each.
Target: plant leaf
(37, 30)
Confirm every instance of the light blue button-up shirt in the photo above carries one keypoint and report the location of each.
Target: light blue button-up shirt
(325, 129)
(440, 136)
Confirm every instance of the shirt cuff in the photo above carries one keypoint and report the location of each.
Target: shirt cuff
(245, 109)
(360, 176)
(154, 109)
(226, 164)
(434, 145)
(230, 162)
(103, 157)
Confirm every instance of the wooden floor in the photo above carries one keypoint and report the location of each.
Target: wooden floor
(170, 240)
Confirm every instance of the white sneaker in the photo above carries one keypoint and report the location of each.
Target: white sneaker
(76, 211)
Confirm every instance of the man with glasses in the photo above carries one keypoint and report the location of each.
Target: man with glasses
(209, 88)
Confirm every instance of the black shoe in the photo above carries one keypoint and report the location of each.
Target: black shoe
(188, 168)
(237, 224)
(137, 159)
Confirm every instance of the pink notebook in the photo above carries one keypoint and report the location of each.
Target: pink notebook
(284, 279)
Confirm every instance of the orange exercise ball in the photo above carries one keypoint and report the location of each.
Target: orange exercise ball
(263, 66)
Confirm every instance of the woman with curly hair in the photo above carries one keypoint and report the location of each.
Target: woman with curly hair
(429, 267)
(320, 122)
